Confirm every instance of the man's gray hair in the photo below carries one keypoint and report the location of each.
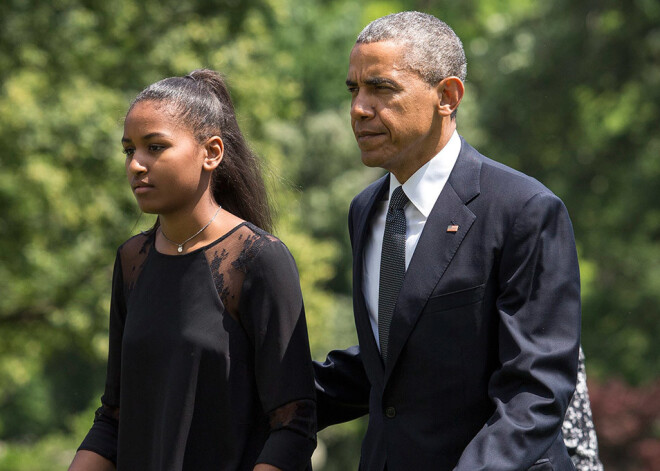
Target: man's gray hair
(434, 50)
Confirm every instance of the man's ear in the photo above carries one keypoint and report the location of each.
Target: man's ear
(450, 93)
(215, 149)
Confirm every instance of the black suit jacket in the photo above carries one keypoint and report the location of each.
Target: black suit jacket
(483, 347)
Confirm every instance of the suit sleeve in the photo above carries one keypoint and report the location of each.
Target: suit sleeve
(539, 312)
(273, 315)
(342, 386)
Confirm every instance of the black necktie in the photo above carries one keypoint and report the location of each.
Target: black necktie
(392, 265)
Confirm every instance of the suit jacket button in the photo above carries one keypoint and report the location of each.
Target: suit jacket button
(390, 412)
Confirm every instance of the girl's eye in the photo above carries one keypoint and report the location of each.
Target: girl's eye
(129, 151)
(156, 147)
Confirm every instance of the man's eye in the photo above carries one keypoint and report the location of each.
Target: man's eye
(352, 90)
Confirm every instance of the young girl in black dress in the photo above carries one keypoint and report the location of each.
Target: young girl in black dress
(209, 364)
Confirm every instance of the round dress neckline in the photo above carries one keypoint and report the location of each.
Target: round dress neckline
(200, 249)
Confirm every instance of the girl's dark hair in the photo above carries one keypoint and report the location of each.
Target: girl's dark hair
(201, 100)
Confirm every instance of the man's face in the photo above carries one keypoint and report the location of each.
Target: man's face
(394, 113)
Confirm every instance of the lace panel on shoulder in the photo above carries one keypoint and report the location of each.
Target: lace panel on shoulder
(229, 260)
(133, 255)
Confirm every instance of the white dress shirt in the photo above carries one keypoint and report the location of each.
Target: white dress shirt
(422, 189)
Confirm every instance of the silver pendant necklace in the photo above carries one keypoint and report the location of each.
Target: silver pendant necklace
(180, 246)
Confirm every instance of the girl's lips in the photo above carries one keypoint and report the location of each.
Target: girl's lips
(138, 190)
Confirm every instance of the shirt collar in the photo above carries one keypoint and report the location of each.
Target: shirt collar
(425, 185)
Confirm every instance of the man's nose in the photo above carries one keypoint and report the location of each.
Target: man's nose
(361, 107)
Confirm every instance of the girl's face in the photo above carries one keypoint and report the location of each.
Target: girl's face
(165, 165)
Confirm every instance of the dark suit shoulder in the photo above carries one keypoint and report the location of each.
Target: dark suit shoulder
(515, 190)
(496, 173)
(503, 191)
(500, 182)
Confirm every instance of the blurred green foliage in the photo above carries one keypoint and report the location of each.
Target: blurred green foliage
(567, 91)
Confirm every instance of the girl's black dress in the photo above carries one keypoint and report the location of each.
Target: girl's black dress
(209, 365)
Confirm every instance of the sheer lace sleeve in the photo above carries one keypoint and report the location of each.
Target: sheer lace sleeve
(262, 290)
(102, 437)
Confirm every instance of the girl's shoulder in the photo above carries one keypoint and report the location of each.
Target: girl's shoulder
(246, 243)
(138, 244)
(245, 252)
(133, 253)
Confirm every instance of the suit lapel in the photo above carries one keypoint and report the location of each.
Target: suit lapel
(436, 248)
(363, 212)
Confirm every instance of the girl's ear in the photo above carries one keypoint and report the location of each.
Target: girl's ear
(215, 149)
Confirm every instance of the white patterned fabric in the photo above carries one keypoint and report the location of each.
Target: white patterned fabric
(578, 428)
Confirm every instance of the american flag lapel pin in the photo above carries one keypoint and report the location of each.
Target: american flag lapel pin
(452, 227)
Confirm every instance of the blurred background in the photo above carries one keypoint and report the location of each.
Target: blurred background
(567, 91)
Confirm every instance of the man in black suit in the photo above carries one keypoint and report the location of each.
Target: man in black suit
(465, 278)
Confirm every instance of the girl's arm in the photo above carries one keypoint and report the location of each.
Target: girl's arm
(266, 467)
(90, 461)
(273, 316)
